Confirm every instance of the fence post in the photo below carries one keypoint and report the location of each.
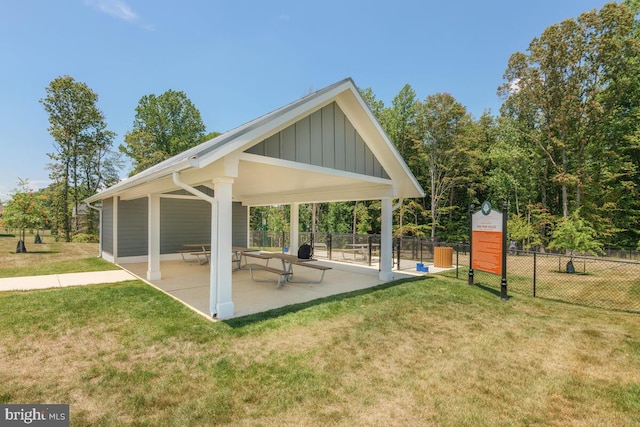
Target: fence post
(370, 241)
(284, 243)
(457, 261)
(329, 245)
(470, 277)
(503, 281)
(397, 245)
(535, 268)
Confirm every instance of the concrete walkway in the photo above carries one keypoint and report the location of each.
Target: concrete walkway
(63, 280)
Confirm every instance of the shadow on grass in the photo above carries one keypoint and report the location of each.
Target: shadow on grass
(486, 288)
(239, 322)
(36, 252)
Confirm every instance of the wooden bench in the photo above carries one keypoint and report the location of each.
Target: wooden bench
(281, 274)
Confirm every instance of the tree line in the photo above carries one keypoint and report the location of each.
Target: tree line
(563, 151)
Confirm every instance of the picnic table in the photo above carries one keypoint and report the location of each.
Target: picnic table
(356, 249)
(203, 253)
(285, 272)
(238, 252)
(197, 249)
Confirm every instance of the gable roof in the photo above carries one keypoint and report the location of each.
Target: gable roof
(268, 180)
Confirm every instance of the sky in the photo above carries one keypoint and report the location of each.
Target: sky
(237, 60)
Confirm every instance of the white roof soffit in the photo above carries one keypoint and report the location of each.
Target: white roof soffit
(264, 181)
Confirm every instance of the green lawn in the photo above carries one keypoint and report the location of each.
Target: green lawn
(49, 257)
(423, 352)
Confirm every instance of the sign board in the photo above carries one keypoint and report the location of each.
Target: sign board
(487, 240)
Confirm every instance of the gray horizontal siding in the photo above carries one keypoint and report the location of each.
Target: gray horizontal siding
(240, 224)
(133, 219)
(183, 221)
(107, 225)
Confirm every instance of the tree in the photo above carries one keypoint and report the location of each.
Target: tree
(565, 93)
(83, 161)
(574, 234)
(399, 121)
(511, 169)
(521, 229)
(443, 145)
(24, 211)
(209, 136)
(164, 126)
(376, 106)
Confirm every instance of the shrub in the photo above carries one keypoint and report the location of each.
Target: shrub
(85, 238)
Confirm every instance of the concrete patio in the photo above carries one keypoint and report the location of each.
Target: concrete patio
(188, 282)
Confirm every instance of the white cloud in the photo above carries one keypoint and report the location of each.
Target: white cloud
(115, 8)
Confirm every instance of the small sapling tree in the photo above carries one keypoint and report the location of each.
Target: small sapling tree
(575, 235)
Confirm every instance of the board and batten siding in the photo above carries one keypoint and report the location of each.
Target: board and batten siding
(133, 220)
(325, 138)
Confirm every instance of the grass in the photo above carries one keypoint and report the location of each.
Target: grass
(49, 257)
(417, 352)
(422, 352)
(601, 283)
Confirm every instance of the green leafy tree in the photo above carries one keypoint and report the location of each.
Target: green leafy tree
(522, 230)
(339, 217)
(375, 105)
(83, 160)
(564, 88)
(511, 169)
(164, 126)
(443, 144)
(25, 210)
(399, 122)
(574, 234)
(209, 136)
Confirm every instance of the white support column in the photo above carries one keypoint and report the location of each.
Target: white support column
(294, 228)
(153, 269)
(386, 243)
(221, 303)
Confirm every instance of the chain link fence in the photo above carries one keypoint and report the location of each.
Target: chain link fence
(355, 248)
(604, 282)
(597, 282)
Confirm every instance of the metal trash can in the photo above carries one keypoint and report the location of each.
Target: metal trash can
(442, 257)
